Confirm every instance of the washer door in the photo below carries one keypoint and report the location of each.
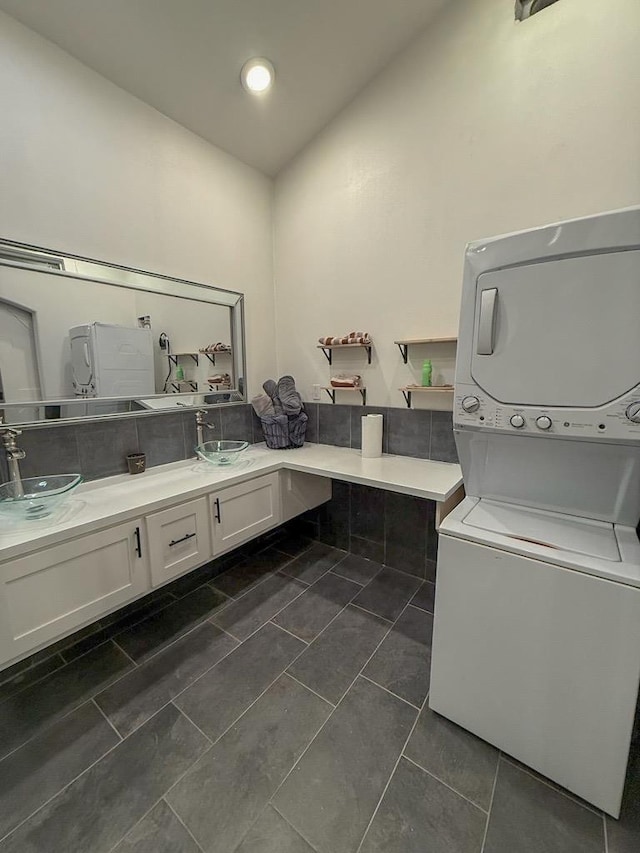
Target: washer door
(559, 333)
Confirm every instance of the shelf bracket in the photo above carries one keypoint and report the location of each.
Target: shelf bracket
(211, 357)
(173, 359)
(407, 397)
(363, 394)
(194, 356)
(328, 354)
(368, 349)
(404, 351)
(332, 394)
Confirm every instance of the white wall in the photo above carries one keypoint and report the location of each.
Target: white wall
(483, 126)
(88, 169)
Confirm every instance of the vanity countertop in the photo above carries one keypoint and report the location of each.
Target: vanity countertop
(101, 503)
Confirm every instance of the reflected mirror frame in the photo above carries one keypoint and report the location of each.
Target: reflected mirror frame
(26, 256)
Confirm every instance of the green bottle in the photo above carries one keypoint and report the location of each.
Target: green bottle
(426, 373)
(179, 373)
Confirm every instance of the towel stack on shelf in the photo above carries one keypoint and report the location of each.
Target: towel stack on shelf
(342, 381)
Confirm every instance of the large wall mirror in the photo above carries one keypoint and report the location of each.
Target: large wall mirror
(87, 339)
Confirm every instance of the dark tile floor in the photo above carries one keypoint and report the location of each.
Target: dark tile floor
(280, 707)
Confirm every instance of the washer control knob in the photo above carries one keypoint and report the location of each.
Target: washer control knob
(470, 404)
(632, 413)
(516, 421)
(543, 422)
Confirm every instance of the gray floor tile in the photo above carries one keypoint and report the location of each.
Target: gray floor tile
(272, 834)
(388, 593)
(403, 661)
(624, 834)
(28, 676)
(159, 832)
(460, 759)
(357, 569)
(313, 610)
(334, 658)
(245, 615)
(419, 814)
(133, 699)
(367, 549)
(102, 634)
(293, 544)
(250, 572)
(38, 770)
(220, 696)
(97, 810)
(150, 636)
(32, 710)
(332, 793)
(313, 563)
(221, 797)
(425, 597)
(528, 816)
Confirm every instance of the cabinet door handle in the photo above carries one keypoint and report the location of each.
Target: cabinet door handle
(136, 533)
(184, 539)
(217, 503)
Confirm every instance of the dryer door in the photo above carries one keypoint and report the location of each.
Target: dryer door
(559, 333)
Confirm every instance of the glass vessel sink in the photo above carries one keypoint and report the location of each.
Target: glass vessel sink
(41, 496)
(221, 452)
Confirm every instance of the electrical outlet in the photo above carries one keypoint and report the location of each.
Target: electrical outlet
(315, 392)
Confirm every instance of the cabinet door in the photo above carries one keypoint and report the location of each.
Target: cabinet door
(244, 511)
(179, 540)
(48, 594)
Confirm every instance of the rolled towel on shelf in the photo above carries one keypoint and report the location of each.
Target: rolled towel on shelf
(346, 381)
(220, 379)
(353, 338)
(219, 347)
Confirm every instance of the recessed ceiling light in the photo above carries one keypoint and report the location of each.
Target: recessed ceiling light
(257, 75)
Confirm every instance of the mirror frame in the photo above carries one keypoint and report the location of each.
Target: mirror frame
(66, 265)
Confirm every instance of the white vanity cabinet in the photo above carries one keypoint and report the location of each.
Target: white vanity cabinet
(242, 512)
(49, 593)
(179, 539)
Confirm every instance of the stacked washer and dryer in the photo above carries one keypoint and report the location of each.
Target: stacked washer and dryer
(536, 644)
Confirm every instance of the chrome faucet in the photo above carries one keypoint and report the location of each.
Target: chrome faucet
(13, 454)
(201, 424)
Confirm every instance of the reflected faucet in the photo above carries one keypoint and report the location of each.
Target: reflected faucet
(13, 454)
(200, 425)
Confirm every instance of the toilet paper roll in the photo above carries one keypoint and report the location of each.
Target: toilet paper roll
(372, 436)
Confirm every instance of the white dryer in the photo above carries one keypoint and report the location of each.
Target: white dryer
(536, 643)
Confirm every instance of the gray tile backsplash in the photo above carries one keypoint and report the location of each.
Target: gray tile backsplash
(334, 425)
(99, 449)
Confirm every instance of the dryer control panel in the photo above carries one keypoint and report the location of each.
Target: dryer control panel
(619, 420)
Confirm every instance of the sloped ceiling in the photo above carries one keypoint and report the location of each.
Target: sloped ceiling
(183, 57)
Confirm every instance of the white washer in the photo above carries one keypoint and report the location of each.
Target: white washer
(537, 626)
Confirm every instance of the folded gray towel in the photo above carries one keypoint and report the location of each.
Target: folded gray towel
(289, 397)
(272, 390)
(263, 405)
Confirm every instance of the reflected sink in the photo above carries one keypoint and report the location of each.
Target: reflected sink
(221, 452)
(41, 496)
